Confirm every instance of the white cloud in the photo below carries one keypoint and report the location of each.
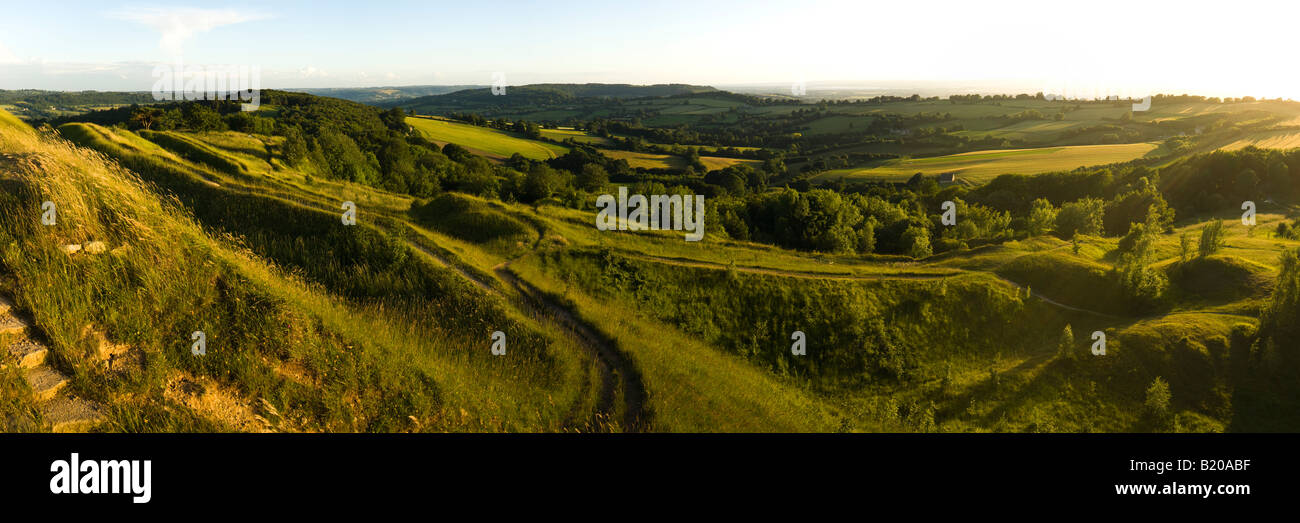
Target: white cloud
(7, 56)
(178, 24)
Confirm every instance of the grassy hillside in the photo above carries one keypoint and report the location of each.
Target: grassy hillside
(472, 246)
(383, 95)
(538, 95)
(281, 346)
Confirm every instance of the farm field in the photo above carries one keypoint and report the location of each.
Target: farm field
(488, 142)
(499, 145)
(982, 166)
(1267, 140)
(560, 135)
(668, 161)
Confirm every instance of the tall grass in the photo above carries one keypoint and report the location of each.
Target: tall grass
(353, 364)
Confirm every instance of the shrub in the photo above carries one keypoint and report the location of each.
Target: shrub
(1080, 217)
(1211, 238)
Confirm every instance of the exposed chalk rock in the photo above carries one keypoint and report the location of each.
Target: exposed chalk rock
(71, 414)
(46, 382)
(29, 354)
(10, 324)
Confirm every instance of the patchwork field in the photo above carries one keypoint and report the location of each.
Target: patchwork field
(481, 140)
(982, 166)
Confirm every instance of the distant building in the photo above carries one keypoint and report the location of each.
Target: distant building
(948, 178)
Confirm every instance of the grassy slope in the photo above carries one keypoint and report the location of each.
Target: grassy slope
(766, 405)
(363, 367)
(1034, 389)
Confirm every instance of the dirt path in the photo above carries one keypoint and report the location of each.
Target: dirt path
(613, 366)
(488, 288)
(618, 372)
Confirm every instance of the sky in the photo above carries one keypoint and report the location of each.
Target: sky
(1079, 49)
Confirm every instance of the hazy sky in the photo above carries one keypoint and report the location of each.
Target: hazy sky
(1125, 48)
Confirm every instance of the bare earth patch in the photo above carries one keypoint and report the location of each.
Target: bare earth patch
(214, 401)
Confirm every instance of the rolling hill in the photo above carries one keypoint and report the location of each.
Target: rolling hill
(535, 95)
(911, 324)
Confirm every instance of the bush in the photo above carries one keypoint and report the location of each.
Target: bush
(1080, 217)
(917, 242)
(1042, 217)
(1211, 238)
(1157, 405)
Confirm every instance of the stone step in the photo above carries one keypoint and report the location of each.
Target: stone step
(46, 382)
(28, 353)
(72, 414)
(10, 324)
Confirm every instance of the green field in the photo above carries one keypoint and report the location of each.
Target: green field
(982, 166)
(560, 135)
(484, 141)
(500, 145)
(668, 161)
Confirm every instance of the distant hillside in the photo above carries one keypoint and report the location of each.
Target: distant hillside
(34, 105)
(380, 95)
(623, 90)
(74, 97)
(543, 94)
